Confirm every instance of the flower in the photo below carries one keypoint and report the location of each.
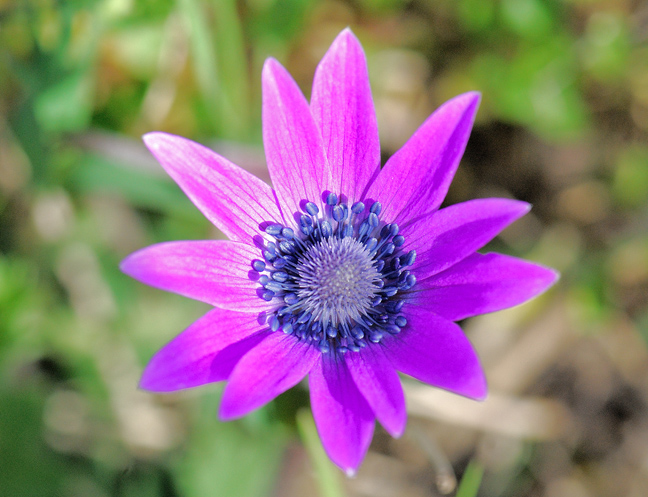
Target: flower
(344, 271)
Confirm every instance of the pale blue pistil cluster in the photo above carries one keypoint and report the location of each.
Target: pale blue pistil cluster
(340, 282)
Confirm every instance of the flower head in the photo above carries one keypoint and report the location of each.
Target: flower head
(342, 271)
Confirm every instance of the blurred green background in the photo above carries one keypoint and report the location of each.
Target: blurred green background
(563, 125)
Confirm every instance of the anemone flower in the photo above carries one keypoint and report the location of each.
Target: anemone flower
(341, 271)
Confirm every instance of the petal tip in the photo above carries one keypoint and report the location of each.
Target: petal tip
(350, 472)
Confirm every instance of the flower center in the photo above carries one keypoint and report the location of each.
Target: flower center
(337, 281)
(340, 281)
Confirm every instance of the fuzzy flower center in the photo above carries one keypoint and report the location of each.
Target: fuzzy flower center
(337, 281)
(340, 281)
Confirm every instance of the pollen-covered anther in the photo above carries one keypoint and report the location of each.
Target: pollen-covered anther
(338, 281)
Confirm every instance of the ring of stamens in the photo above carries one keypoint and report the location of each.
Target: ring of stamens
(340, 281)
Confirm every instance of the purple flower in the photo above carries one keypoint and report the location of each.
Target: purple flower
(344, 272)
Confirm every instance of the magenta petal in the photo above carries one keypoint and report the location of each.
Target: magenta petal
(452, 234)
(436, 351)
(342, 106)
(293, 144)
(481, 284)
(343, 418)
(203, 353)
(216, 272)
(378, 381)
(276, 364)
(235, 201)
(415, 179)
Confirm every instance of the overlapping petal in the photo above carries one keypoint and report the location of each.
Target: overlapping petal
(436, 351)
(415, 179)
(343, 109)
(380, 385)
(235, 201)
(481, 284)
(276, 364)
(343, 418)
(454, 233)
(293, 145)
(216, 272)
(205, 352)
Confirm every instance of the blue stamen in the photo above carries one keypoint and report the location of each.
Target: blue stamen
(338, 279)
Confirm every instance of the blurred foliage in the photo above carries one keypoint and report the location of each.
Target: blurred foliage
(563, 125)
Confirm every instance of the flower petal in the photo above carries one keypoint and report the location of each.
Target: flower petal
(203, 353)
(376, 378)
(415, 179)
(452, 234)
(481, 284)
(342, 106)
(235, 201)
(216, 272)
(343, 418)
(293, 144)
(436, 351)
(276, 364)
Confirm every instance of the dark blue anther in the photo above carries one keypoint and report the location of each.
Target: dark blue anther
(357, 333)
(324, 346)
(283, 311)
(408, 259)
(269, 256)
(376, 208)
(272, 247)
(393, 329)
(400, 321)
(331, 331)
(306, 230)
(279, 263)
(274, 229)
(364, 229)
(353, 347)
(394, 229)
(305, 316)
(263, 280)
(375, 336)
(385, 231)
(373, 219)
(327, 230)
(286, 246)
(312, 209)
(274, 323)
(287, 328)
(383, 318)
(273, 286)
(389, 291)
(403, 276)
(411, 281)
(288, 233)
(376, 300)
(338, 213)
(268, 295)
(280, 276)
(331, 199)
(394, 306)
(371, 244)
(258, 265)
(357, 208)
(291, 298)
(305, 220)
(347, 231)
(398, 240)
(380, 265)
